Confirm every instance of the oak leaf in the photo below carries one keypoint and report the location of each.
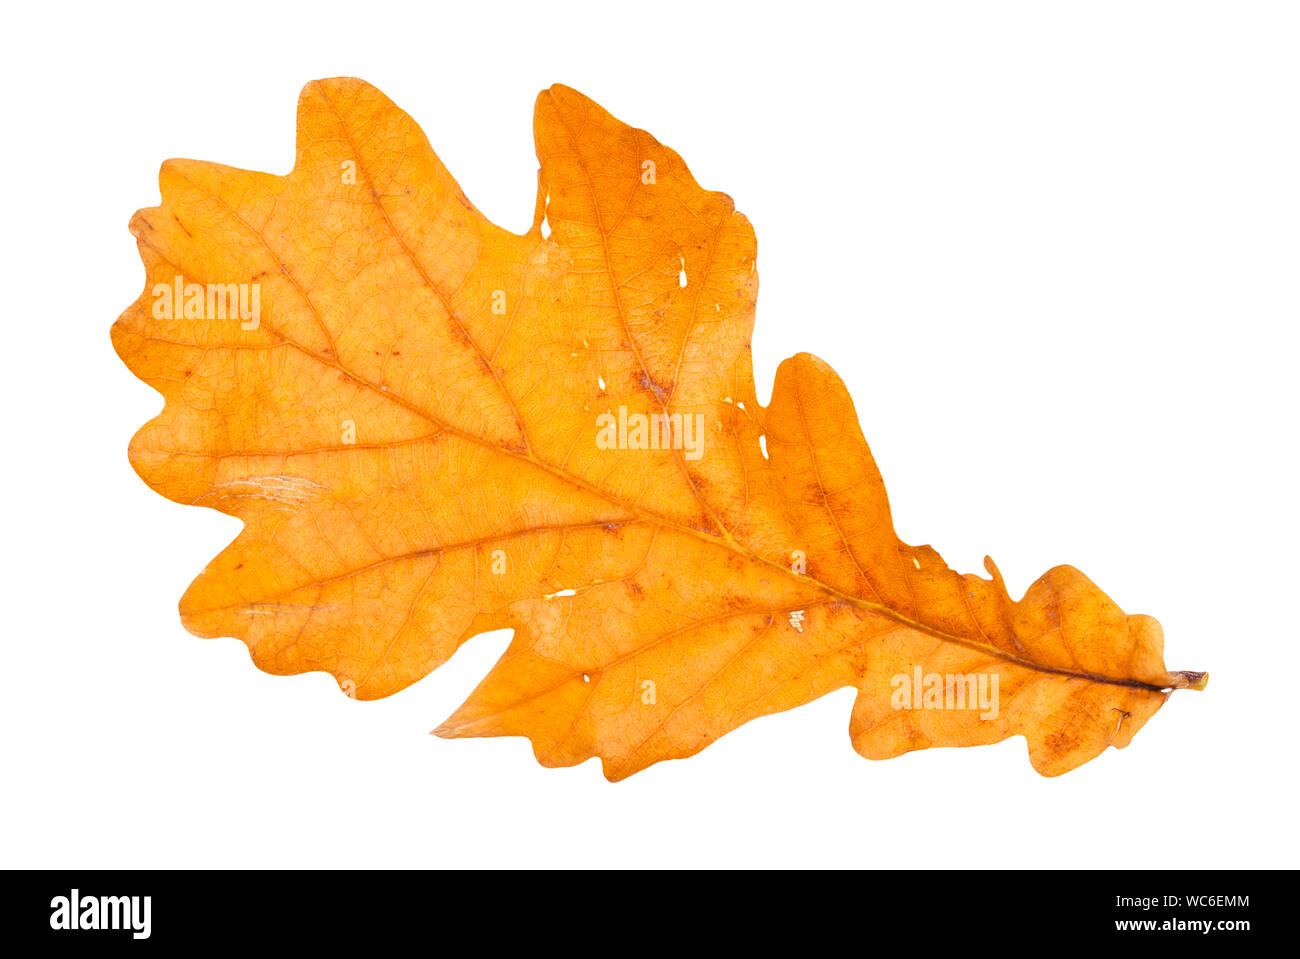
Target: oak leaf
(432, 427)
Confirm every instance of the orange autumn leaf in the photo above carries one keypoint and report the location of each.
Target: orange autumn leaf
(432, 427)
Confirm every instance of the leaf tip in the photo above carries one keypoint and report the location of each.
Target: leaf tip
(447, 730)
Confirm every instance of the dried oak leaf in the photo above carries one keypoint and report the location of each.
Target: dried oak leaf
(403, 410)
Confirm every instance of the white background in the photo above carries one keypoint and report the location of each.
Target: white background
(1052, 249)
